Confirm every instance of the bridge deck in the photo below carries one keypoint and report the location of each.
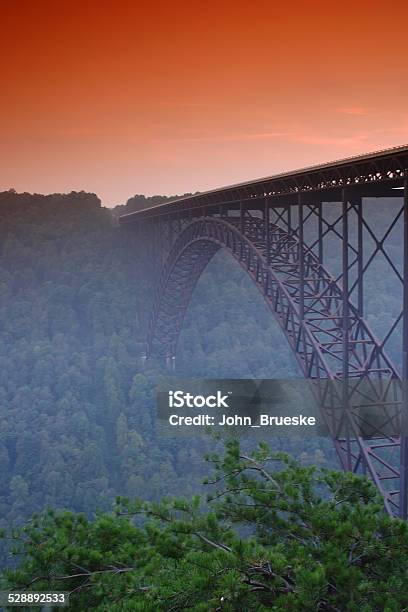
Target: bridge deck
(377, 174)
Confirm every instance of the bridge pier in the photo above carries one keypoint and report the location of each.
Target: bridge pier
(358, 203)
(171, 363)
(266, 220)
(301, 261)
(404, 423)
(345, 324)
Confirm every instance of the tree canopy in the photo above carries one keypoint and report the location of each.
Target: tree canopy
(272, 535)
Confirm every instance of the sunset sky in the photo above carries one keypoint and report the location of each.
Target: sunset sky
(120, 97)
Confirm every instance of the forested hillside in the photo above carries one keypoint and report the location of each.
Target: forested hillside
(76, 407)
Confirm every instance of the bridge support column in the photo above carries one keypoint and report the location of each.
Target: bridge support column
(403, 506)
(289, 219)
(320, 230)
(267, 229)
(301, 264)
(345, 320)
(241, 225)
(171, 363)
(171, 237)
(360, 272)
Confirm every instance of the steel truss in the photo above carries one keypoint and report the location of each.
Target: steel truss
(279, 231)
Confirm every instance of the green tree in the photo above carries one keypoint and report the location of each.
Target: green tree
(273, 535)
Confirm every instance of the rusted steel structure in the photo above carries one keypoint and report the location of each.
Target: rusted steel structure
(279, 230)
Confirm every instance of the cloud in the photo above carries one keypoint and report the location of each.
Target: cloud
(355, 110)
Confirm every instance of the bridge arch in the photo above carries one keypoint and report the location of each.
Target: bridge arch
(308, 305)
(312, 298)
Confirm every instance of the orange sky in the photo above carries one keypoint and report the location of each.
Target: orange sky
(123, 97)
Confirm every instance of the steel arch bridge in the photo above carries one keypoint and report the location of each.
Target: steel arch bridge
(279, 230)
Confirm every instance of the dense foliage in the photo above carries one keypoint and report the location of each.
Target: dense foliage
(275, 536)
(77, 411)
